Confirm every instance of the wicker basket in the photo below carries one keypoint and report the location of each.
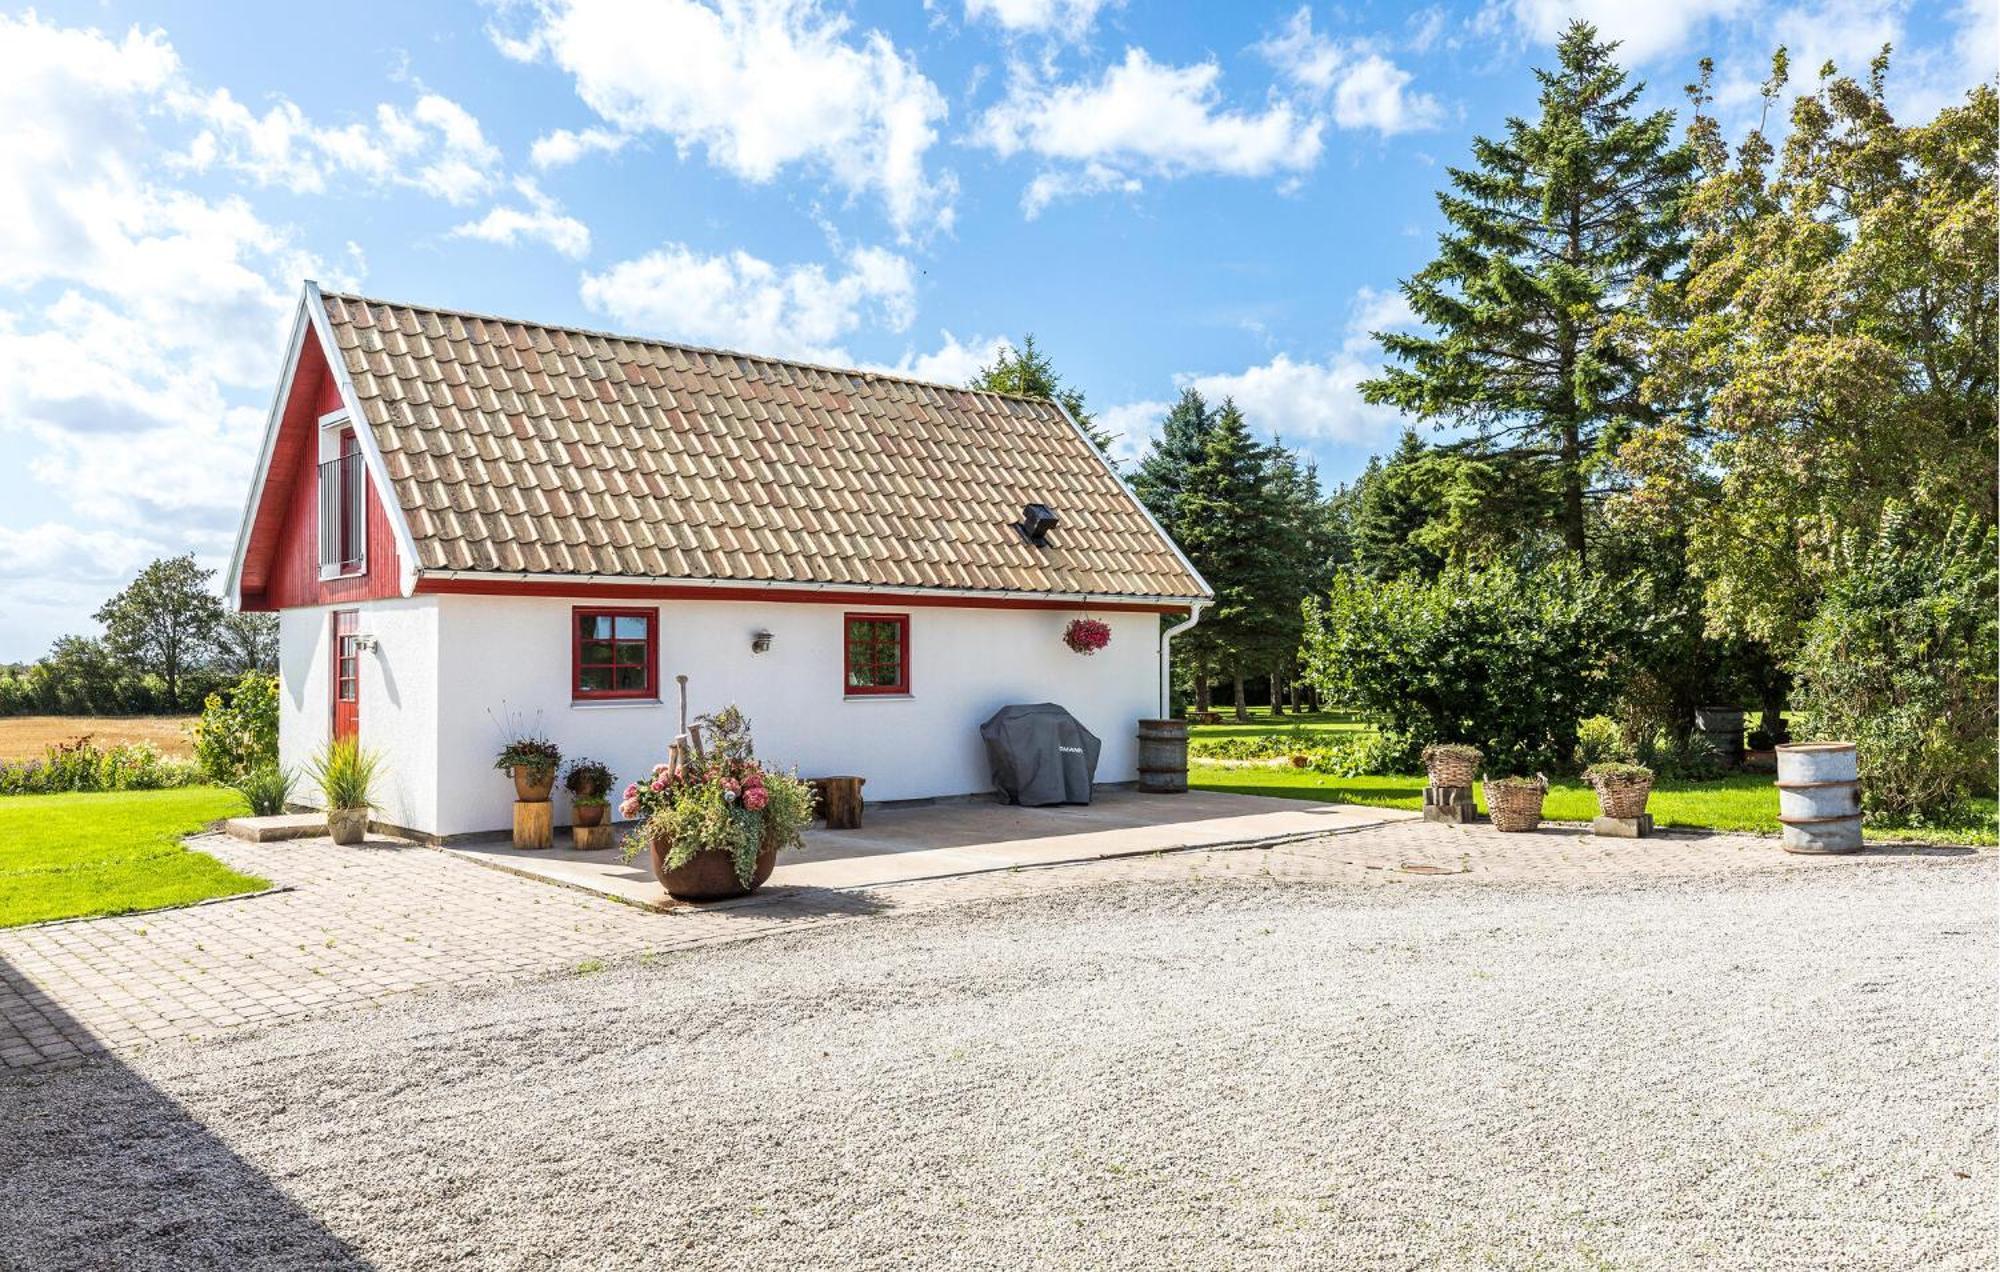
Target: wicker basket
(1623, 797)
(1517, 804)
(1452, 768)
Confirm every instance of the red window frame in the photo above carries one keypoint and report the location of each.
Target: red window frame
(651, 663)
(847, 662)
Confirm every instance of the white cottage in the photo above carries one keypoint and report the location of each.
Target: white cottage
(464, 520)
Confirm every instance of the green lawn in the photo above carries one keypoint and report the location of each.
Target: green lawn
(1745, 802)
(65, 856)
(1318, 723)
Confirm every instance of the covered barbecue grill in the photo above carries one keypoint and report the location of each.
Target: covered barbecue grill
(1040, 755)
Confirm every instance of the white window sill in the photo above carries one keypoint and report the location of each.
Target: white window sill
(878, 697)
(613, 704)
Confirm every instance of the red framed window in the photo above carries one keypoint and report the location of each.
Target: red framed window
(878, 653)
(615, 653)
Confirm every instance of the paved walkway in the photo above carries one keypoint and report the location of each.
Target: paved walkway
(359, 925)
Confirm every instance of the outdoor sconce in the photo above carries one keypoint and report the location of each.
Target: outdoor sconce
(760, 642)
(366, 643)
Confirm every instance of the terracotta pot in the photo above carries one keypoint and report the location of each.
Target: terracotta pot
(588, 814)
(532, 785)
(710, 876)
(584, 786)
(347, 825)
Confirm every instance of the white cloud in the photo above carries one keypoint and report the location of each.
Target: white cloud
(1071, 19)
(1301, 400)
(1144, 116)
(1131, 427)
(562, 147)
(1070, 183)
(435, 146)
(954, 361)
(1360, 86)
(740, 301)
(1644, 30)
(543, 219)
(758, 87)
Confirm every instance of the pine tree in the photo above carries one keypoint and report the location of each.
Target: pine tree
(1392, 506)
(1549, 233)
(1029, 372)
(1184, 433)
(1229, 526)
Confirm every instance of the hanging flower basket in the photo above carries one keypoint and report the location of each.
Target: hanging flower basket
(1086, 635)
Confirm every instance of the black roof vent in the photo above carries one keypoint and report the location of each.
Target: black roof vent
(1036, 522)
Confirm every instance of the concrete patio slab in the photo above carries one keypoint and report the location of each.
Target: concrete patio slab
(265, 830)
(902, 845)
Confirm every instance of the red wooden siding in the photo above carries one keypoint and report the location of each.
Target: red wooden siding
(281, 564)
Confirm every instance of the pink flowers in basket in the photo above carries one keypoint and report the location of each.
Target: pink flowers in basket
(1086, 635)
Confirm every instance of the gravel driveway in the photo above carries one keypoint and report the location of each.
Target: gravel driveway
(1756, 1070)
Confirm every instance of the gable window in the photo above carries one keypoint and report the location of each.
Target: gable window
(878, 653)
(615, 654)
(343, 509)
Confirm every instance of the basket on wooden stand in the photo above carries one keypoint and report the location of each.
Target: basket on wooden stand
(1452, 764)
(1515, 803)
(1621, 792)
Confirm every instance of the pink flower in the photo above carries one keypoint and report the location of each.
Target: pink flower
(659, 783)
(732, 786)
(631, 790)
(752, 779)
(629, 809)
(755, 798)
(659, 769)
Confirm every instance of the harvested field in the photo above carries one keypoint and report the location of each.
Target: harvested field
(24, 737)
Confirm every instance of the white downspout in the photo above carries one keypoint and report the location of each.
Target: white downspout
(1167, 635)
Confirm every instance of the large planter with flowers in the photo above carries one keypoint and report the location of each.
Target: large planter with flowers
(713, 821)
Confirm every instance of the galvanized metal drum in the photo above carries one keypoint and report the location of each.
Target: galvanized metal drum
(1163, 756)
(1819, 797)
(1723, 727)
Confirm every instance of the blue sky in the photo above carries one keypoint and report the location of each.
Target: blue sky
(1165, 194)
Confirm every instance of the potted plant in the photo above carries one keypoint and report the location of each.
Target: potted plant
(1621, 788)
(588, 782)
(345, 775)
(1086, 635)
(533, 761)
(714, 822)
(1452, 763)
(1763, 750)
(1515, 803)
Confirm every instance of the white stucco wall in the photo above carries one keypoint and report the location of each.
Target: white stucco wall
(448, 671)
(399, 701)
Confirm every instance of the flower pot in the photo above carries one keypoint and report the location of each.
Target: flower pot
(1515, 807)
(532, 785)
(347, 825)
(1625, 799)
(1301, 761)
(588, 815)
(1452, 770)
(710, 876)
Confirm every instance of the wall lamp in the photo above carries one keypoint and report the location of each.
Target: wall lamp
(367, 643)
(760, 642)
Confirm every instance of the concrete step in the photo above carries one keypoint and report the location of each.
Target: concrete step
(264, 830)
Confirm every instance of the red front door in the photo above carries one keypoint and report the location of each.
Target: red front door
(346, 671)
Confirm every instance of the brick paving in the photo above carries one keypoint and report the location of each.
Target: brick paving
(359, 925)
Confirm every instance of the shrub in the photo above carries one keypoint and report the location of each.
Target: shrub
(1688, 758)
(268, 789)
(1599, 740)
(345, 774)
(1899, 659)
(1507, 660)
(1369, 754)
(1269, 746)
(239, 734)
(79, 765)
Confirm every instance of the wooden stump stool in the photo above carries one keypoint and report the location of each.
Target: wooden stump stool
(591, 838)
(533, 825)
(839, 801)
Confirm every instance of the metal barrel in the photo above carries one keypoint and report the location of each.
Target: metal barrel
(1163, 756)
(1723, 727)
(1819, 797)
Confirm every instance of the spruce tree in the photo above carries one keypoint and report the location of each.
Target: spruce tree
(1184, 433)
(1029, 372)
(1392, 506)
(1229, 527)
(1549, 233)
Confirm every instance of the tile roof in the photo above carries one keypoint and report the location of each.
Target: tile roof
(518, 448)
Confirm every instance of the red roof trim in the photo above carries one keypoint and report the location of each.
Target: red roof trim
(823, 596)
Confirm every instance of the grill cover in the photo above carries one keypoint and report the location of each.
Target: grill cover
(1040, 755)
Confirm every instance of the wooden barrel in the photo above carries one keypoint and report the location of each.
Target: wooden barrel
(1163, 756)
(1819, 797)
(1723, 727)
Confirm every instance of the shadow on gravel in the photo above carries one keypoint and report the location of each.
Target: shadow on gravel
(101, 1169)
(793, 901)
(1875, 849)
